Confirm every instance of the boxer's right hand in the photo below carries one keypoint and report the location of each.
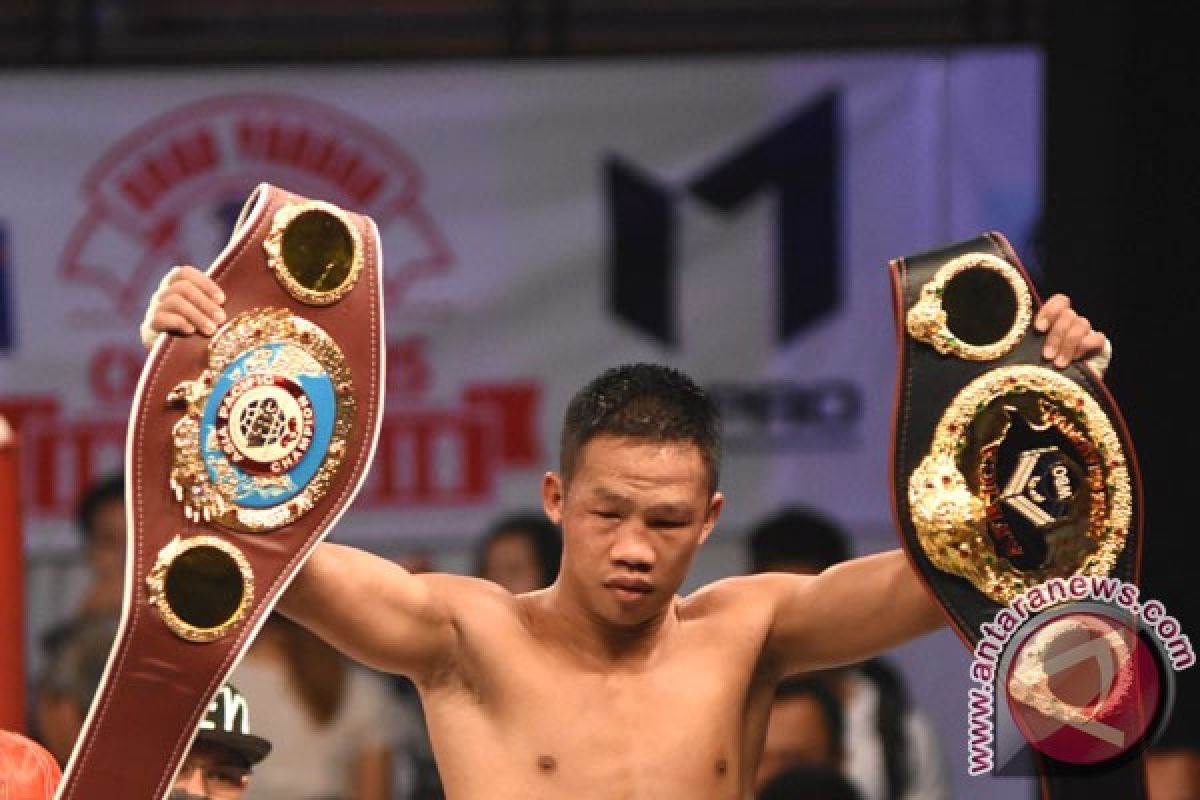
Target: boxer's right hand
(187, 301)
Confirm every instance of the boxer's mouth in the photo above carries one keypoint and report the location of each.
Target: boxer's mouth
(632, 588)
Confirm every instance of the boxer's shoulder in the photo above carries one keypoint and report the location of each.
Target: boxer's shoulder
(744, 601)
(471, 599)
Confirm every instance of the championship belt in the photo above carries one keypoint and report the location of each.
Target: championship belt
(1007, 472)
(242, 451)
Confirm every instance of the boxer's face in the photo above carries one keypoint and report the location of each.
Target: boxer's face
(632, 514)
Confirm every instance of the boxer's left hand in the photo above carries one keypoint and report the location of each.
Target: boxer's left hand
(1069, 336)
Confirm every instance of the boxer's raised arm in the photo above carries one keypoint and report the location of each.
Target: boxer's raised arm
(849, 613)
(375, 611)
(857, 609)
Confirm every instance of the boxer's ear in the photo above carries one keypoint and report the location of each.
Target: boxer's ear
(553, 493)
(714, 511)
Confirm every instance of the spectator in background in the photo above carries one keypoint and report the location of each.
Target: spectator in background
(217, 767)
(796, 540)
(68, 682)
(101, 519)
(817, 783)
(805, 727)
(521, 552)
(332, 724)
(222, 757)
(891, 749)
(75, 650)
(100, 516)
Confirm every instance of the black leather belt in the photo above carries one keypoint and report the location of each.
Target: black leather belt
(1007, 472)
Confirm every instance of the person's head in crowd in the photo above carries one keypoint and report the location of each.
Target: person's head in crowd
(100, 516)
(796, 540)
(805, 726)
(803, 783)
(69, 681)
(521, 552)
(219, 765)
(1173, 762)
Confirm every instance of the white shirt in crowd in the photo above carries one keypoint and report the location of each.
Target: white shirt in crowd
(864, 750)
(307, 761)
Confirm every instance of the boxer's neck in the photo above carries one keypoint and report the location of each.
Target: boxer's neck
(584, 631)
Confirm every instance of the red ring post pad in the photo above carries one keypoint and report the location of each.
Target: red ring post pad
(242, 451)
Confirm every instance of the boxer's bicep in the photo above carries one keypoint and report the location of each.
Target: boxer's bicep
(374, 610)
(849, 613)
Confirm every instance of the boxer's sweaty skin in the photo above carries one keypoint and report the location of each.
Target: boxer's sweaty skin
(584, 690)
(607, 685)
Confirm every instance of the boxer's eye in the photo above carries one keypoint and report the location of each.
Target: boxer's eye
(980, 305)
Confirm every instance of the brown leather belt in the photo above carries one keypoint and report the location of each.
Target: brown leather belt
(242, 451)
(1006, 472)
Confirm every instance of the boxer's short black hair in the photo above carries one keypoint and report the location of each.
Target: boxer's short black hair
(643, 401)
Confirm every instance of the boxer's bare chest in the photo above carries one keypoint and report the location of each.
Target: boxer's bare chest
(536, 720)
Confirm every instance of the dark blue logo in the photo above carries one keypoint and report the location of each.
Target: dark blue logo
(798, 160)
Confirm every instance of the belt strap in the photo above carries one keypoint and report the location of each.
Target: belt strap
(242, 451)
(1006, 471)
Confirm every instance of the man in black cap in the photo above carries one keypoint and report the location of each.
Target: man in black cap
(219, 765)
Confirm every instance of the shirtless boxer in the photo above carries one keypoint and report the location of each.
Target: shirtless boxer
(607, 685)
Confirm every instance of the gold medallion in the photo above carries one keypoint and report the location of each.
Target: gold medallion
(1025, 481)
(201, 587)
(315, 251)
(266, 425)
(948, 317)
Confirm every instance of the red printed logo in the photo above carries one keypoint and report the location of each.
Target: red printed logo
(170, 191)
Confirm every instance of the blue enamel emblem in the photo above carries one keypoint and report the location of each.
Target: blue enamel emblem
(277, 400)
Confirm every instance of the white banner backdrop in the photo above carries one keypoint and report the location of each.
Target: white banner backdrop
(539, 223)
(732, 217)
